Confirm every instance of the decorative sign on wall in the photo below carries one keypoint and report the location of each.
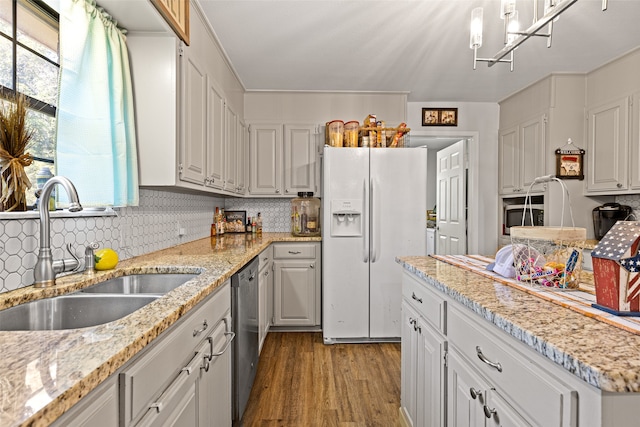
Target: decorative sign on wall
(439, 117)
(569, 161)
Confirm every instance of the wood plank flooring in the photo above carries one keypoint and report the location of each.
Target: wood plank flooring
(302, 382)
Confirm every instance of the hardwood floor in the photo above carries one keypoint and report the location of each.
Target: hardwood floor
(302, 382)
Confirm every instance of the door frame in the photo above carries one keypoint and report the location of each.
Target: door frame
(472, 189)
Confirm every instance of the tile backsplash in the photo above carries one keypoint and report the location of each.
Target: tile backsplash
(151, 226)
(632, 200)
(276, 213)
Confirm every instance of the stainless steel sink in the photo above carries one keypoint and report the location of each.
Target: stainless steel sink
(154, 283)
(71, 311)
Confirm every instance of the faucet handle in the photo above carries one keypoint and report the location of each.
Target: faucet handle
(89, 256)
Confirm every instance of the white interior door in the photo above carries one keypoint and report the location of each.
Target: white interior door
(451, 196)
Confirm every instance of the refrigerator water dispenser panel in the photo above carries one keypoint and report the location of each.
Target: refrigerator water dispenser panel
(346, 218)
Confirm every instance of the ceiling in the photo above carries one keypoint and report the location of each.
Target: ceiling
(415, 46)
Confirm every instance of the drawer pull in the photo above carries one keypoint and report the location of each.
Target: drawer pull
(229, 335)
(205, 364)
(197, 332)
(295, 252)
(482, 357)
(413, 295)
(488, 412)
(475, 393)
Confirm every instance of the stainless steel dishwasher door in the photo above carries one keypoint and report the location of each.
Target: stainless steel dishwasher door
(244, 310)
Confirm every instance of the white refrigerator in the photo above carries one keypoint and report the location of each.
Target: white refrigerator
(374, 209)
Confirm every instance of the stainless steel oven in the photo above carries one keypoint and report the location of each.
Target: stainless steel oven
(533, 215)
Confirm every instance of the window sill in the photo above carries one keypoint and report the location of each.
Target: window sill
(34, 214)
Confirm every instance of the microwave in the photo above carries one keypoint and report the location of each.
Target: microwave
(513, 216)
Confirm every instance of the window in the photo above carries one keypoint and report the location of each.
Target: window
(29, 63)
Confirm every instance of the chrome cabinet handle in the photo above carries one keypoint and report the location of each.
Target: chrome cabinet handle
(278, 191)
(475, 393)
(197, 332)
(205, 364)
(619, 185)
(312, 266)
(230, 337)
(482, 357)
(488, 412)
(413, 295)
(295, 252)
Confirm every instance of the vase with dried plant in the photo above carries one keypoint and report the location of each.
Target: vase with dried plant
(14, 139)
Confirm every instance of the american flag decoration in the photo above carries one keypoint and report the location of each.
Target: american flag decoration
(616, 269)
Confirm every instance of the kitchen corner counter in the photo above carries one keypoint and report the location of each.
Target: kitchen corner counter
(602, 355)
(44, 373)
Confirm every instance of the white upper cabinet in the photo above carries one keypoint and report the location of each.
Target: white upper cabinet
(608, 147)
(299, 159)
(521, 150)
(187, 120)
(282, 166)
(216, 137)
(265, 159)
(241, 155)
(193, 150)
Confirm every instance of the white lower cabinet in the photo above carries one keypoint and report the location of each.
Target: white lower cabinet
(459, 371)
(296, 284)
(423, 350)
(472, 402)
(265, 293)
(98, 409)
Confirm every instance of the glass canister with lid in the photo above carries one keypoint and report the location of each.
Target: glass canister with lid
(305, 215)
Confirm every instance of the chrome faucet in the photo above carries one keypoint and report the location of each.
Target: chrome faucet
(46, 268)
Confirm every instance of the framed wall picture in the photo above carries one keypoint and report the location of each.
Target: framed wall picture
(439, 117)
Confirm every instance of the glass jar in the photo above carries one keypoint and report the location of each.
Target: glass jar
(305, 215)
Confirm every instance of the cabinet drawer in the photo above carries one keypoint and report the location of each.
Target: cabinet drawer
(265, 257)
(514, 375)
(151, 372)
(429, 304)
(294, 250)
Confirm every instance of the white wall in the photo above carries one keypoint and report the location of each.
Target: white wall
(477, 120)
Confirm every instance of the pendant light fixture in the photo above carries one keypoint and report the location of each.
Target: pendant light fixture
(513, 37)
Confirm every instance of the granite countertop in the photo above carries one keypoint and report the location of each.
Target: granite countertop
(44, 373)
(600, 354)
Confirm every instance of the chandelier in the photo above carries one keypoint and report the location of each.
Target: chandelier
(513, 37)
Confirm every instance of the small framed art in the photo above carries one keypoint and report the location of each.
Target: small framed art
(439, 117)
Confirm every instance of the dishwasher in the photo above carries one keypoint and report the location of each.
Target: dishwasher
(244, 311)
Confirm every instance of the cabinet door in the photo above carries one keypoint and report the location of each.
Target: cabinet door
(430, 376)
(194, 133)
(216, 145)
(263, 305)
(532, 151)
(409, 364)
(98, 409)
(608, 147)
(231, 169)
(299, 159)
(509, 168)
(466, 394)
(265, 159)
(501, 414)
(295, 293)
(242, 157)
(214, 385)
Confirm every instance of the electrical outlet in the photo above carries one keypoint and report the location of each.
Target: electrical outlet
(181, 230)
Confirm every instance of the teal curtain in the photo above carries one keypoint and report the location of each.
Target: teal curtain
(96, 142)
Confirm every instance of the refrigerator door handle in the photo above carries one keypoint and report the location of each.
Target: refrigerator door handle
(365, 242)
(372, 220)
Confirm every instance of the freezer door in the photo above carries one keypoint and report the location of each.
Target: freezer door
(398, 228)
(345, 256)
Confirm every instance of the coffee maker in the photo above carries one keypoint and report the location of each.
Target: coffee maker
(606, 215)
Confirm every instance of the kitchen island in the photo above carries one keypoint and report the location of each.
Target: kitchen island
(44, 373)
(529, 360)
